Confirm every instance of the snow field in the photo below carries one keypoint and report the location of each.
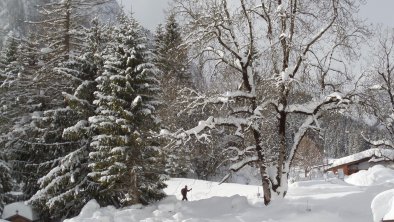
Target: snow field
(307, 201)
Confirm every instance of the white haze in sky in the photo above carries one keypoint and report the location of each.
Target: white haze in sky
(149, 13)
(152, 12)
(379, 11)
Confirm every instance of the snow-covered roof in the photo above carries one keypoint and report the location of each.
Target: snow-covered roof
(377, 154)
(23, 210)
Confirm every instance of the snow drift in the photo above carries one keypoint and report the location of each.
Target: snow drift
(383, 206)
(375, 175)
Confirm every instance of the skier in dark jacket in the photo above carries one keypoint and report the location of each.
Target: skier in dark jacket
(184, 192)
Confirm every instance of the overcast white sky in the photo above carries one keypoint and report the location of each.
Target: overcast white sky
(151, 12)
(379, 11)
(148, 12)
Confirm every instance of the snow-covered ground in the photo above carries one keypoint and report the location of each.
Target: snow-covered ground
(307, 201)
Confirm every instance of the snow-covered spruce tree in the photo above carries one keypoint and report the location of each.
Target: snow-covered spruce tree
(66, 188)
(172, 60)
(171, 57)
(9, 59)
(4, 25)
(18, 61)
(13, 76)
(36, 146)
(125, 158)
(35, 143)
(280, 51)
(6, 182)
(38, 143)
(20, 97)
(8, 56)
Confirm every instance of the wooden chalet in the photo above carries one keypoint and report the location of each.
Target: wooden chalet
(362, 161)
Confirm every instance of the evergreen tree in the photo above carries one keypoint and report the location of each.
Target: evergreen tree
(126, 161)
(20, 98)
(17, 88)
(4, 25)
(171, 59)
(177, 76)
(66, 188)
(5, 183)
(9, 60)
(38, 144)
(9, 69)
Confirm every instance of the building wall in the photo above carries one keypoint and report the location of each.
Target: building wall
(388, 164)
(364, 166)
(18, 218)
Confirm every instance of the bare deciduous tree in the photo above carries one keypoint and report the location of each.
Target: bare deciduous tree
(308, 155)
(379, 97)
(290, 59)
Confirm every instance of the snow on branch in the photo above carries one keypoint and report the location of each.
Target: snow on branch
(313, 106)
(239, 94)
(263, 106)
(313, 110)
(239, 165)
(239, 152)
(193, 100)
(378, 142)
(210, 123)
(221, 57)
(299, 135)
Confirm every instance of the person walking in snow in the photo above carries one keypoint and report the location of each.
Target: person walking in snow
(184, 193)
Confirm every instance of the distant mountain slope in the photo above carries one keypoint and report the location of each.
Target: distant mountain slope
(15, 13)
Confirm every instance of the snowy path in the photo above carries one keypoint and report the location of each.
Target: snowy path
(332, 200)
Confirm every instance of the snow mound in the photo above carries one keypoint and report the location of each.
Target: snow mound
(169, 208)
(375, 175)
(319, 183)
(89, 208)
(383, 206)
